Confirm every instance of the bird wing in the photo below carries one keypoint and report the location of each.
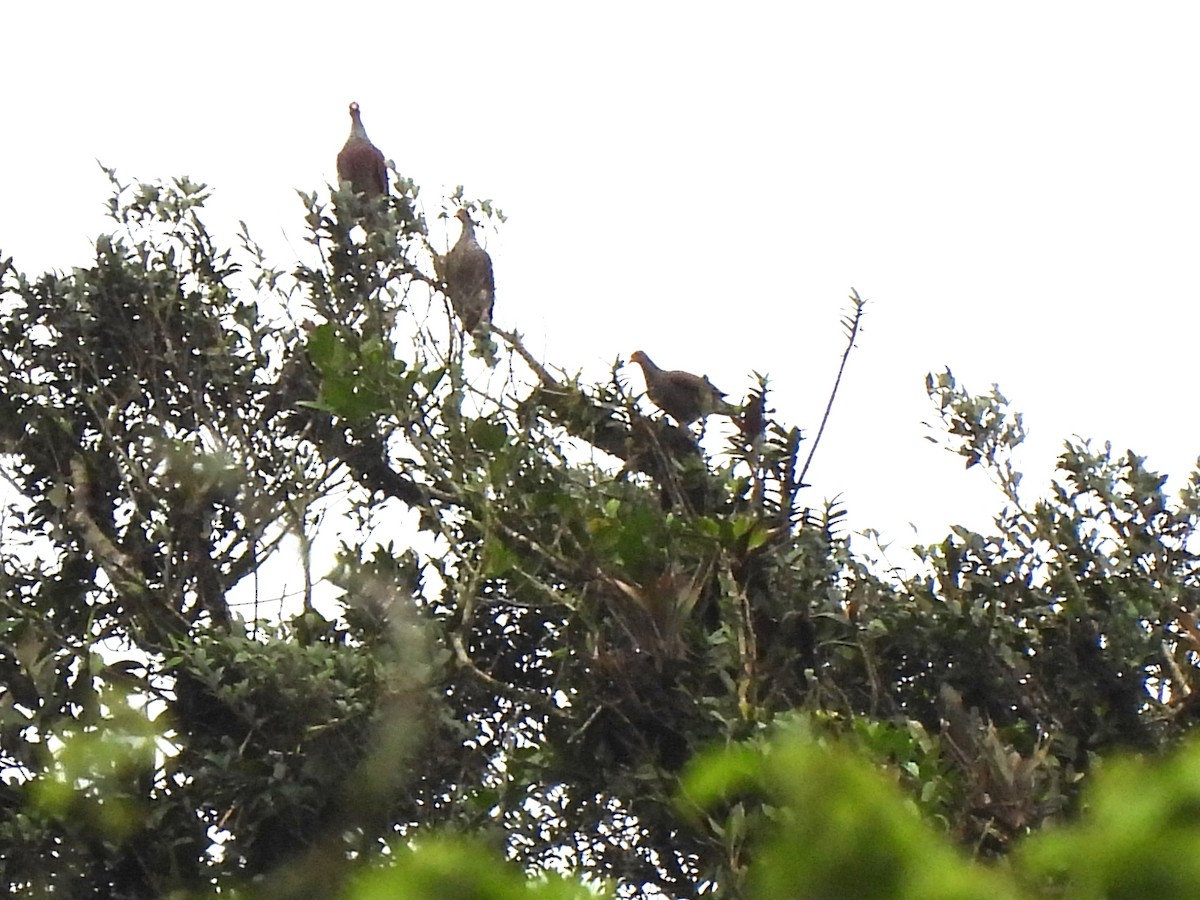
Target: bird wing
(471, 282)
(362, 164)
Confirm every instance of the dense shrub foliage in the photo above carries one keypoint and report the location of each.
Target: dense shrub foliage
(562, 636)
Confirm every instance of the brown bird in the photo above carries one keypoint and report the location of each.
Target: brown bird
(467, 270)
(681, 395)
(360, 161)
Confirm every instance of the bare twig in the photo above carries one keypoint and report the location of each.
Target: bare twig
(122, 570)
(852, 322)
(514, 341)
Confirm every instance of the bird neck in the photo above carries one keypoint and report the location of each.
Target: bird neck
(356, 129)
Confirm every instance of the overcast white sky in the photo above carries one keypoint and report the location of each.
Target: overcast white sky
(1013, 186)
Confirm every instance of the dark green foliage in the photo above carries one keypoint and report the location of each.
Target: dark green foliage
(547, 603)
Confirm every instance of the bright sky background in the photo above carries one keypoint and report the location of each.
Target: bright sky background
(1013, 186)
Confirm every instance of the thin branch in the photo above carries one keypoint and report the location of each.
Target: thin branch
(121, 569)
(514, 341)
(853, 323)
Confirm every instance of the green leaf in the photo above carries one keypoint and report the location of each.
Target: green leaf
(498, 559)
(758, 537)
(325, 349)
(489, 436)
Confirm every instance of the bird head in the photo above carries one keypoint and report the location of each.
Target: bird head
(356, 125)
(464, 216)
(640, 358)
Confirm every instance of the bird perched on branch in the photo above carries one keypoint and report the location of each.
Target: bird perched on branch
(360, 162)
(467, 270)
(681, 395)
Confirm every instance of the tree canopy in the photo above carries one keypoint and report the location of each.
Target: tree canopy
(567, 647)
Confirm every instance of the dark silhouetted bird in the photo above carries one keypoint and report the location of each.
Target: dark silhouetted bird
(360, 161)
(467, 270)
(681, 395)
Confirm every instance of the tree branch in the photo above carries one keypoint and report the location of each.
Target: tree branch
(852, 322)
